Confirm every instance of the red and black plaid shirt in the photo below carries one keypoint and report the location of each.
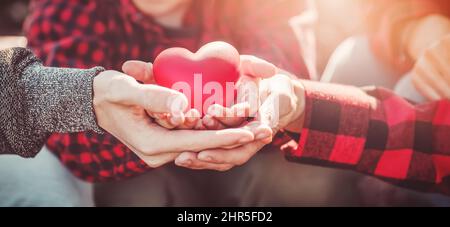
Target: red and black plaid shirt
(373, 131)
(83, 34)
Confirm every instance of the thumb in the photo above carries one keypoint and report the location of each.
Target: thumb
(157, 99)
(268, 113)
(257, 67)
(139, 70)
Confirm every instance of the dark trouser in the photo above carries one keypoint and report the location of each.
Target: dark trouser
(266, 180)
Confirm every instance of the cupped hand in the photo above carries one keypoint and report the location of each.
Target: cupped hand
(121, 105)
(282, 106)
(143, 72)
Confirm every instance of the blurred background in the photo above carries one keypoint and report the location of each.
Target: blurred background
(12, 13)
(331, 28)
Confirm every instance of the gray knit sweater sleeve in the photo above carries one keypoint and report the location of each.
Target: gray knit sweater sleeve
(36, 101)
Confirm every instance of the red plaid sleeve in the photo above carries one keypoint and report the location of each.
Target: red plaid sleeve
(375, 132)
(73, 34)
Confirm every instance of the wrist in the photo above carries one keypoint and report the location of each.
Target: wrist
(62, 98)
(99, 88)
(296, 125)
(102, 95)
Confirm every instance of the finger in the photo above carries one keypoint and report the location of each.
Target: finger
(177, 119)
(429, 73)
(425, 89)
(279, 103)
(190, 160)
(261, 132)
(165, 122)
(156, 161)
(269, 112)
(189, 140)
(256, 67)
(248, 92)
(237, 156)
(158, 99)
(171, 121)
(211, 123)
(438, 60)
(231, 117)
(139, 70)
(442, 60)
(440, 53)
(191, 119)
(200, 125)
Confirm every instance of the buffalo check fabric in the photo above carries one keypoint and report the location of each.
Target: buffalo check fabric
(83, 34)
(376, 132)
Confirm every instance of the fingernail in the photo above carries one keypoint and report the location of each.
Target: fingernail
(177, 114)
(262, 135)
(211, 110)
(186, 162)
(160, 116)
(176, 103)
(214, 111)
(208, 159)
(245, 140)
(176, 118)
(209, 122)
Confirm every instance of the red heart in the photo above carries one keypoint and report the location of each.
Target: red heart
(208, 73)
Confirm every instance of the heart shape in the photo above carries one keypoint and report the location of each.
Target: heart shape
(206, 77)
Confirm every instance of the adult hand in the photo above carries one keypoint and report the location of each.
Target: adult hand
(143, 72)
(282, 107)
(431, 73)
(121, 105)
(252, 70)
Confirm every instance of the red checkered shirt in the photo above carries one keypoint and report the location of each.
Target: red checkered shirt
(82, 34)
(375, 132)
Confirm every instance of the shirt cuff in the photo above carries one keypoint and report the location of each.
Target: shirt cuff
(61, 100)
(335, 127)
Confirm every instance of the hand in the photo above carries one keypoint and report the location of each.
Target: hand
(283, 105)
(121, 105)
(420, 34)
(252, 70)
(144, 73)
(223, 159)
(431, 73)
